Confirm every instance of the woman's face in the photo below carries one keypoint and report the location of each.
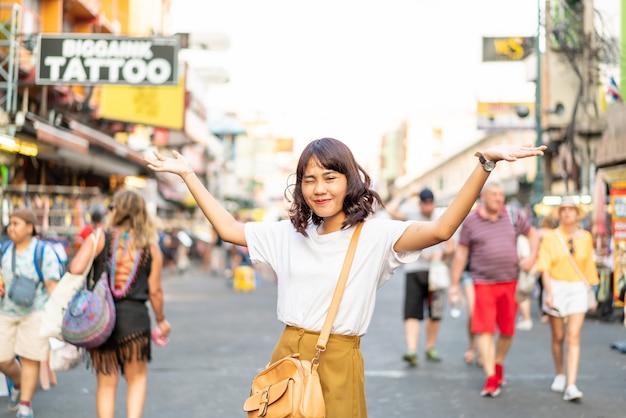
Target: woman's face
(324, 190)
(568, 215)
(18, 230)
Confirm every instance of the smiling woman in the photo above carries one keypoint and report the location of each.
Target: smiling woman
(330, 185)
(332, 195)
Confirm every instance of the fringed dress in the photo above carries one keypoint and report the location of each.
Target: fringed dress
(130, 340)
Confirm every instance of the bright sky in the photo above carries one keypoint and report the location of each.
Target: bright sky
(354, 69)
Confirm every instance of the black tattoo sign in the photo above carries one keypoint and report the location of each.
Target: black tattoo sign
(96, 59)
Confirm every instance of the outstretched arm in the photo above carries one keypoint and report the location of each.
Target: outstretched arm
(393, 208)
(420, 235)
(156, 290)
(458, 265)
(228, 228)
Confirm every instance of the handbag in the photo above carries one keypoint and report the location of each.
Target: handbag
(526, 279)
(64, 356)
(22, 290)
(438, 275)
(592, 301)
(89, 319)
(62, 295)
(290, 387)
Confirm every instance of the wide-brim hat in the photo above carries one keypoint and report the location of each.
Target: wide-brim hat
(27, 215)
(570, 202)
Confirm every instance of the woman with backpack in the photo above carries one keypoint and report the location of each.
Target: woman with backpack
(27, 279)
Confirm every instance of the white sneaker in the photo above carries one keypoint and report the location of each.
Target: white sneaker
(572, 393)
(558, 385)
(525, 325)
(25, 412)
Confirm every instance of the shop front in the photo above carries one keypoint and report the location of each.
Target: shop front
(611, 206)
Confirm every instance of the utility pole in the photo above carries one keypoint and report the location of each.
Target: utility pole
(538, 184)
(589, 126)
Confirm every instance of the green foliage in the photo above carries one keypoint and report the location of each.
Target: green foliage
(566, 28)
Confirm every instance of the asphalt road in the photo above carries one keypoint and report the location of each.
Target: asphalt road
(221, 339)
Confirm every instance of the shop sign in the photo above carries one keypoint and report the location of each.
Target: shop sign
(162, 106)
(618, 211)
(512, 48)
(505, 115)
(106, 59)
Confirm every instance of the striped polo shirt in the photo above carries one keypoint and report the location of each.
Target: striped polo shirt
(493, 246)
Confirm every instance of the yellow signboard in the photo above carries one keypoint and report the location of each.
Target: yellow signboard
(155, 106)
(505, 115)
(512, 48)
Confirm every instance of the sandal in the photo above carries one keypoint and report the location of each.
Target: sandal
(468, 357)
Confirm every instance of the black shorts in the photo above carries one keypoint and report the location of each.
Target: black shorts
(416, 293)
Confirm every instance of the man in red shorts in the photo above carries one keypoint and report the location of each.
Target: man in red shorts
(489, 238)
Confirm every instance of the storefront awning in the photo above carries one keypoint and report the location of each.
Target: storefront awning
(107, 143)
(60, 138)
(98, 163)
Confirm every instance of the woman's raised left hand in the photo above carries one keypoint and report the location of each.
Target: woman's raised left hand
(512, 152)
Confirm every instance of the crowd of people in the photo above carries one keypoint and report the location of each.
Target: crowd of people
(127, 250)
(484, 273)
(331, 195)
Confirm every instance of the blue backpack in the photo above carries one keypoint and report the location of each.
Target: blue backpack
(38, 256)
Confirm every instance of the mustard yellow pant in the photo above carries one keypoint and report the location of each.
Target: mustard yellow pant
(341, 369)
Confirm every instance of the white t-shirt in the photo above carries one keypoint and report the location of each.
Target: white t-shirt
(307, 270)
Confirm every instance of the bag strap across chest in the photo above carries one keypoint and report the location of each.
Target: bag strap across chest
(341, 285)
(571, 259)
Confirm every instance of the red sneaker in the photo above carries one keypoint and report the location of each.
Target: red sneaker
(500, 375)
(491, 389)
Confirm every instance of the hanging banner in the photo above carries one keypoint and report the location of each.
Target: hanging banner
(618, 205)
(94, 59)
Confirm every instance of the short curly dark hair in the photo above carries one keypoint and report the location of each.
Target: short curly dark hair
(360, 199)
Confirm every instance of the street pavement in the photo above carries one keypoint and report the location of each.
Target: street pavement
(222, 338)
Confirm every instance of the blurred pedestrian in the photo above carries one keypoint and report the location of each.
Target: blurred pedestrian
(471, 354)
(96, 215)
(130, 247)
(331, 196)
(546, 224)
(566, 260)
(418, 295)
(488, 239)
(19, 319)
